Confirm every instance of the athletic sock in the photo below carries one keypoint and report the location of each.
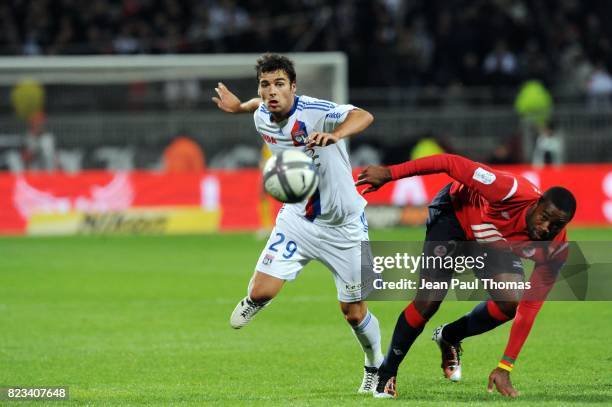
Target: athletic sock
(484, 317)
(408, 327)
(368, 335)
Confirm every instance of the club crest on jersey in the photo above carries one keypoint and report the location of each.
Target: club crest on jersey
(299, 133)
(268, 259)
(440, 250)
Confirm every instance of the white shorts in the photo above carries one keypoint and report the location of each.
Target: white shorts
(295, 241)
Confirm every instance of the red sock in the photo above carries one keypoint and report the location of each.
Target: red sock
(414, 317)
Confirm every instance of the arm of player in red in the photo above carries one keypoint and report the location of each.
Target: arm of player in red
(493, 185)
(542, 280)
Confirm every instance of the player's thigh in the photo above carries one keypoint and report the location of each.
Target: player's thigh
(434, 278)
(503, 267)
(345, 265)
(288, 249)
(346, 252)
(443, 240)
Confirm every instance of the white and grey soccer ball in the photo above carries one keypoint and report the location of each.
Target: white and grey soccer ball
(290, 176)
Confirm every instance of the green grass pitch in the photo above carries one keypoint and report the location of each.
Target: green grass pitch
(144, 320)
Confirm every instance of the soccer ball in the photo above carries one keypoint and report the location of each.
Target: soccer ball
(290, 176)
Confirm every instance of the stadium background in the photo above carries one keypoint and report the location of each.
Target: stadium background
(138, 314)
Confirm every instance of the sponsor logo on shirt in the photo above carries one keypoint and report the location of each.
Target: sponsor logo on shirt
(352, 288)
(268, 139)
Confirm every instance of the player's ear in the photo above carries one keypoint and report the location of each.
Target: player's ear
(293, 87)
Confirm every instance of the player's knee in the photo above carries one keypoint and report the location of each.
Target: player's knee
(354, 314)
(507, 307)
(353, 319)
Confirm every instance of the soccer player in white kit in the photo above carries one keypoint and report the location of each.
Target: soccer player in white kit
(330, 225)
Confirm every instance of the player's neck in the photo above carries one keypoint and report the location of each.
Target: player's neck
(528, 214)
(282, 116)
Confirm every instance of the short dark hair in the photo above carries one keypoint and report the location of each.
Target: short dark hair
(274, 62)
(562, 198)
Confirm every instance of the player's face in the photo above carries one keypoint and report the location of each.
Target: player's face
(545, 221)
(277, 92)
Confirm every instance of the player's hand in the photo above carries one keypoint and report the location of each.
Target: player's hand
(227, 101)
(321, 139)
(375, 176)
(501, 379)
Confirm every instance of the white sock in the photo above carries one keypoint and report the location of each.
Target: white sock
(368, 335)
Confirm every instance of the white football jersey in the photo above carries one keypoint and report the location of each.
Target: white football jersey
(336, 201)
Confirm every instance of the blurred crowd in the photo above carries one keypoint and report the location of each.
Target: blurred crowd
(389, 42)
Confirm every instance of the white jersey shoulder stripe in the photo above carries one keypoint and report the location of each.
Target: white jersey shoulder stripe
(325, 109)
(319, 103)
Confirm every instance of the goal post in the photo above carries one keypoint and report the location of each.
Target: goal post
(326, 72)
(141, 101)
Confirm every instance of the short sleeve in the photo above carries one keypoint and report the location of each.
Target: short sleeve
(336, 117)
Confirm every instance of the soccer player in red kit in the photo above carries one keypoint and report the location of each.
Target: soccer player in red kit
(500, 211)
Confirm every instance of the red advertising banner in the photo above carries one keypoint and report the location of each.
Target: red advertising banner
(129, 202)
(147, 202)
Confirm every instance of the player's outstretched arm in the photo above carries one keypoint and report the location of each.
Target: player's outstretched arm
(228, 102)
(356, 121)
(492, 185)
(542, 280)
(501, 379)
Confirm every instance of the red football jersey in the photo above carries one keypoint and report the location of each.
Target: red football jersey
(491, 207)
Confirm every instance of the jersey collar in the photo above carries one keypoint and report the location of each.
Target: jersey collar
(293, 108)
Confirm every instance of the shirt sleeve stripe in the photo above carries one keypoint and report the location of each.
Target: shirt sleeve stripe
(512, 190)
(487, 233)
(325, 109)
(322, 104)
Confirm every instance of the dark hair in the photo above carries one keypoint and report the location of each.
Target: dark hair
(562, 198)
(274, 62)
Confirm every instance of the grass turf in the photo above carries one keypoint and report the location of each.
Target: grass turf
(144, 320)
